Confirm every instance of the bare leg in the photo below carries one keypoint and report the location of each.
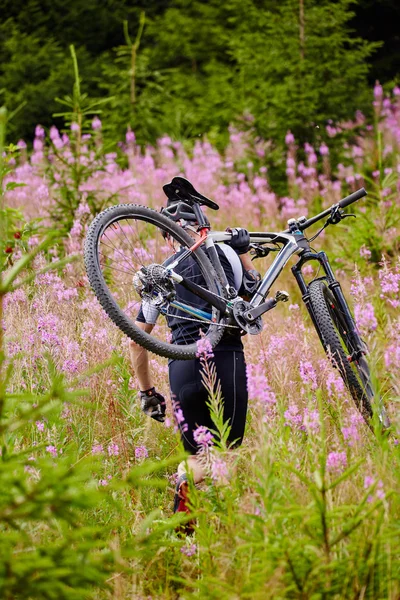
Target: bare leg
(192, 465)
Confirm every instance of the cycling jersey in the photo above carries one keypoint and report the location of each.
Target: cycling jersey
(185, 331)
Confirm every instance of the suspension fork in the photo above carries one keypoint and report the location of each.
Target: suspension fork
(335, 288)
(298, 275)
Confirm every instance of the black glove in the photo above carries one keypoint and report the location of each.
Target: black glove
(153, 404)
(240, 241)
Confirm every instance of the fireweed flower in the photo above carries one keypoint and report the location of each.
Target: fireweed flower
(351, 433)
(323, 150)
(368, 482)
(39, 132)
(203, 437)
(179, 416)
(257, 385)
(311, 420)
(336, 462)
(96, 123)
(113, 449)
(378, 90)
(335, 385)
(364, 252)
(52, 450)
(141, 452)
(289, 138)
(219, 471)
(308, 374)
(293, 416)
(204, 348)
(365, 318)
(189, 550)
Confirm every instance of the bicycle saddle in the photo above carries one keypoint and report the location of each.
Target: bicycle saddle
(181, 189)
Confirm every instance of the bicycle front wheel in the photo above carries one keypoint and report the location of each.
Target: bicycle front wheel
(127, 251)
(340, 349)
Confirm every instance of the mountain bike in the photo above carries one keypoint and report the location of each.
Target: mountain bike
(134, 257)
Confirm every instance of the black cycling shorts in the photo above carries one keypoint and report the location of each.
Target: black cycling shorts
(189, 394)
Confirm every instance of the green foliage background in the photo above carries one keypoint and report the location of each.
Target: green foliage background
(196, 66)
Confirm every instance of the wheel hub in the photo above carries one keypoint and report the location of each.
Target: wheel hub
(154, 283)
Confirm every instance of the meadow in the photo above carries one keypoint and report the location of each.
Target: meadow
(309, 506)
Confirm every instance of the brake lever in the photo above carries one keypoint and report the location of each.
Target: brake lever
(338, 215)
(260, 252)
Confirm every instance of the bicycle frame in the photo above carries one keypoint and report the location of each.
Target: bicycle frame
(292, 243)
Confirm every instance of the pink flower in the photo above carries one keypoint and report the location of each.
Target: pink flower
(203, 437)
(364, 252)
(311, 421)
(130, 137)
(204, 348)
(257, 384)
(189, 550)
(336, 462)
(96, 123)
(378, 90)
(365, 317)
(179, 417)
(293, 416)
(308, 374)
(52, 450)
(368, 482)
(351, 433)
(219, 471)
(40, 425)
(141, 452)
(335, 385)
(39, 132)
(289, 139)
(113, 449)
(323, 150)
(97, 449)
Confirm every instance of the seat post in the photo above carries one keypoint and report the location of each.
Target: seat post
(202, 221)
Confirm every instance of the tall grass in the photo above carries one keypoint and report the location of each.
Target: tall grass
(308, 507)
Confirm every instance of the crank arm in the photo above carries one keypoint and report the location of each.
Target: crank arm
(253, 314)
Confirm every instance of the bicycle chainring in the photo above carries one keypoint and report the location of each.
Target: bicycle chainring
(239, 309)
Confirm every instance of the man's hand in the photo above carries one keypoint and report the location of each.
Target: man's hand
(240, 241)
(153, 404)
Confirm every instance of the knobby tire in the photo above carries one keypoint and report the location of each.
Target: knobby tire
(108, 302)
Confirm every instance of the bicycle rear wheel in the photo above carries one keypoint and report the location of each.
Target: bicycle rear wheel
(339, 348)
(127, 248)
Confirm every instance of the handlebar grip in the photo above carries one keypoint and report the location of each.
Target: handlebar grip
(352, 198)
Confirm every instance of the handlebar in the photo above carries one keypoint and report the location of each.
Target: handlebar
(352, 198)
(342, 203)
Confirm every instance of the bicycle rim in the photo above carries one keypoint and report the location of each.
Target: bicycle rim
(122, 243)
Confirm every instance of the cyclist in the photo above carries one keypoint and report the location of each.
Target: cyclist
(187, 389)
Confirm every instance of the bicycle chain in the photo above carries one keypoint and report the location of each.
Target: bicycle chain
(200, 321)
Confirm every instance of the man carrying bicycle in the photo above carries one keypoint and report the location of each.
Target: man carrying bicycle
(187, 389)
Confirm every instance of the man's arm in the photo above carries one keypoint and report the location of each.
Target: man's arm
(140, 359)
(246, 262)
(152, 403)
